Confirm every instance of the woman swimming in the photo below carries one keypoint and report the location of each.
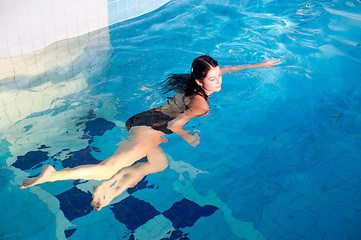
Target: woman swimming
(146, 130)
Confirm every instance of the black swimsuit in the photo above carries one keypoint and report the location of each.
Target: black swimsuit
(157, 120)
(153, 118)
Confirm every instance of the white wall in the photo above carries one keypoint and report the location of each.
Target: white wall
(29, 25)
(37, 35)
(121, 10)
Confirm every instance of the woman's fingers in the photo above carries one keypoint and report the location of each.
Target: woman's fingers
(196, 136)
(195, 142)
(193, 137)
(268, 63)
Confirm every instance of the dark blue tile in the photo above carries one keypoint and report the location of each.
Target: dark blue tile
(28, 127)
(75, 203)
(176, 235)
(97, 127)
(141, 185)
(79, 181)
(43, 147)
(69, 232)
(185, 213)
(89, 116)
(81, 157)
(96, 149)
(30, 160)
(133, 212)
(84, 137)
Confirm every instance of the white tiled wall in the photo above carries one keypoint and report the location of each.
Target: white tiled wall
(28, 25)
(36, 81)
(48, 50)
(120, 10)
(36, 35)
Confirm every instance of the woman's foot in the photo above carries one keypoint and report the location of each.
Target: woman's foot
(102, 197)
(104, 194)
(107, 191)
(46, 172)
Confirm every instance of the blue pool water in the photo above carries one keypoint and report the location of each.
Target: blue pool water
(280, 151)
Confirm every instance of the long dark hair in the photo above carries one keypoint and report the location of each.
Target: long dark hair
(186, 83)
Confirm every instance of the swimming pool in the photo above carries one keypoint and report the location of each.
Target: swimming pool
(279, 156)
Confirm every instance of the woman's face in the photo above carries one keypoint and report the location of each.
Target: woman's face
(212, 82)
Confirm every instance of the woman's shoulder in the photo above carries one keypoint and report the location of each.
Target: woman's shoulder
(199, 104)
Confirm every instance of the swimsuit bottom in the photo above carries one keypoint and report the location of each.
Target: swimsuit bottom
(153, 118)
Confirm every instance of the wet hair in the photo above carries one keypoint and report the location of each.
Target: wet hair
(186, 83)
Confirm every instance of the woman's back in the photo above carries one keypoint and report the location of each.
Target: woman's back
(176, 105)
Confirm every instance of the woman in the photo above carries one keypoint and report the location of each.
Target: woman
(146, 130)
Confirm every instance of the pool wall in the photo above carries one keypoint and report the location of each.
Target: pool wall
(29, 25)
(43, 39)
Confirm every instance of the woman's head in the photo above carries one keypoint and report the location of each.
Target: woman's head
(204, 68)
(201, 65)
(205, 72)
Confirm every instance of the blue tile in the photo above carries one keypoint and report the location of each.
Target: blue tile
(185, 213)
(112, 8)
(132, 4)
(30, 159)
(143, 8)
(133, 212)
(122, 16)
(81, 157)
(28, 127)
(113, 18)
(204, 228)
(43, 147)
(75, 203)
(122, 5)
(97, 127)
(69, 232)
(132, 12)
(176, 235)
(160, 3)
(5, 152)
(90, 115)
(141, 185)
(139, 2)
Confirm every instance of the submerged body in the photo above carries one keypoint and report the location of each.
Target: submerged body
(146, 131)
(158, 118)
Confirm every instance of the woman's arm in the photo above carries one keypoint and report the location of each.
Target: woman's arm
(198, 106)
(268, 63)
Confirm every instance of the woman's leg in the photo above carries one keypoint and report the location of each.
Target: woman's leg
(141, 140)
(129, 177)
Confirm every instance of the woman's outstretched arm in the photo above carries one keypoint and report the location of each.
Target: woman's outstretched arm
(268, 63)
(197, 107)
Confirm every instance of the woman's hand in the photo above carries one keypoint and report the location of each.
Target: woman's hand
(192, 138)
(268, 63)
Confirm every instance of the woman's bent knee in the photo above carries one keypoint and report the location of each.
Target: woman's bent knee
(164, 166)
(160, 165)
(163, 163)
(158, 161)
